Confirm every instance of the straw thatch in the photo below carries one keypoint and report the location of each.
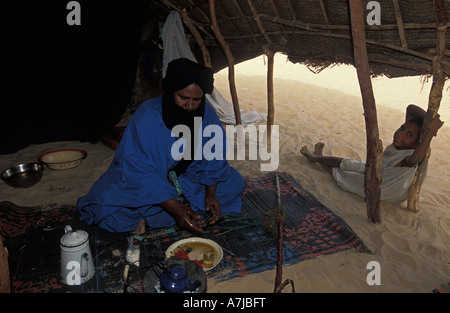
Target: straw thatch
(318, 32)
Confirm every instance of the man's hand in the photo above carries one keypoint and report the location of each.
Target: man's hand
(212, 205)
(184, 216)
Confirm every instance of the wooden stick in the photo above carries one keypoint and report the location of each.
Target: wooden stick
(258, 22)
(270, 94)
(247, 25)
(280, 218)
(324, 12)
(274, 8)
(171, 5)
(401, 29)
(5, 283)
(445, 64)
(230, 59)
(198, 38)
(291, 10)
(279, 270)
(284, 284)
(374, 159)
(317, 27)
(434, 102)
(441, 25)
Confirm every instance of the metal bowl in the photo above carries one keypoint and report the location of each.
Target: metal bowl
(23, 175)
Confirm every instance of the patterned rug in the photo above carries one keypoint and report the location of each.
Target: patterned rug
(310, 230)
(32, 236)
(442, 288)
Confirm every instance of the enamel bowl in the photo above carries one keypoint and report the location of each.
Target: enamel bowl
(63, 159)
(192, 249)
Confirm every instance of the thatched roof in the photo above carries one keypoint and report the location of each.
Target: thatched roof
(318, 32)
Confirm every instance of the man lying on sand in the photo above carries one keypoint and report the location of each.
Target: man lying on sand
(400, 159)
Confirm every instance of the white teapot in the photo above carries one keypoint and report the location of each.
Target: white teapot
(77, 264)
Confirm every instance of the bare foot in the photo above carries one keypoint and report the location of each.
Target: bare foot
(318, 148)
(308, 154)
(140, 227)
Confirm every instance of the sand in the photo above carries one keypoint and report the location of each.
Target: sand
(412, 249)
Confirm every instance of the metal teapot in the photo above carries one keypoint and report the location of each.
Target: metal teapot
(175, 279)
(77, 264)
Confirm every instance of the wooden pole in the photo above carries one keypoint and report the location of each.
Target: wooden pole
(434, 102)
(230, 59)
(270, 94)
(198, 38)
(258, 22)
(5, 284)
(374, 159)
(398, 17)
(279, 270)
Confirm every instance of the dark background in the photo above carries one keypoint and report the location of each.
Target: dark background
(66, 82)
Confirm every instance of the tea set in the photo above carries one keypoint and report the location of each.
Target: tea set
(171, 276)
(77, 263)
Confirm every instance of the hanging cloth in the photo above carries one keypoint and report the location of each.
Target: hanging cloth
(175, 47)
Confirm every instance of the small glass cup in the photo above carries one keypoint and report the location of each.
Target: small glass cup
(208, 258)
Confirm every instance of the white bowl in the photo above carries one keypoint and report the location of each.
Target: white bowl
(196, 245)
(63, 159)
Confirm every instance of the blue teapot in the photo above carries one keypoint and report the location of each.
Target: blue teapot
(175, 279)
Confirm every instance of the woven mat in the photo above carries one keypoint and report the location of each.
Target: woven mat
(32, 236)
(310, 230)
(442, 288)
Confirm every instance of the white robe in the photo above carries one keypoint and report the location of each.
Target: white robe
(396, 180)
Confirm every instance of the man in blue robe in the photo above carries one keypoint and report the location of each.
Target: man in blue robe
(135, 191)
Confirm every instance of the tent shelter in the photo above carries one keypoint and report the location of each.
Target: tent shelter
(87, 95)
(318, 32)
(386, 37)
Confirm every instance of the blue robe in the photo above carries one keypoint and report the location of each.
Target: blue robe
(136, 181)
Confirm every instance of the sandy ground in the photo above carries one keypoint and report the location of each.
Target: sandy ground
(413, 250)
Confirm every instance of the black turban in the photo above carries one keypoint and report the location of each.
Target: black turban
(184, 72)
(180, 74)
